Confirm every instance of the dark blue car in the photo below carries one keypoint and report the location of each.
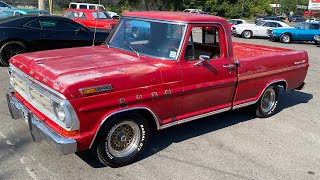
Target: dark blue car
(300, 32)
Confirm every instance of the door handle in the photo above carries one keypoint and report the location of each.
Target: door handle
(229, 66)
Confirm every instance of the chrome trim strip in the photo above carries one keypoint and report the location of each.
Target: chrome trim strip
(121, 111)
(38, 130)
(255, 101)
(244, 104)
(195, 117)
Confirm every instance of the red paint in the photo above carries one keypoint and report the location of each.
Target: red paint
(194, 89)
(90, 21)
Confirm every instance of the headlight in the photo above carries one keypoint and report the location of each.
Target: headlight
(58, 111)
(65, 114)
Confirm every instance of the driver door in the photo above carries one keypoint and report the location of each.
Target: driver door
(207, 86)
(57, 34)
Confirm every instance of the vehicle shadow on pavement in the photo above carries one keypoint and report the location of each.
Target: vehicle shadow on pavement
(163, 139)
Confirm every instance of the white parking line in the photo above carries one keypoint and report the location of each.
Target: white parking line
(3, 136)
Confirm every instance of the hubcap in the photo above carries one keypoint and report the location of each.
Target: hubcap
(247, 34)
(285, 38)
(268, 100)
(123, 139)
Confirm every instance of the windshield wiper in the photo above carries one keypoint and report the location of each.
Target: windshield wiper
(133, 49)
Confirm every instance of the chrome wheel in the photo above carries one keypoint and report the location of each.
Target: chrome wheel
(247, 34)
(268, 100)
(285, 38)
(123, 139)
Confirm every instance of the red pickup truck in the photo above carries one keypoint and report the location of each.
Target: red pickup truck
(156, 70)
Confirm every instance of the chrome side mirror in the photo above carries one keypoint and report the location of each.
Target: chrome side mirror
(202, 58)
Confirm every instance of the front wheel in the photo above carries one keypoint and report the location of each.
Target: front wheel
(122, 141)
(285, 38)
(268, 102)
(247, 34)
(11, 49)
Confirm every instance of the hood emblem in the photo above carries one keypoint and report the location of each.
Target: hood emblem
(95, 89)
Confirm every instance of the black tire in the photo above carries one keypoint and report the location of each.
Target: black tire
(246, 34)
(268, 102)
(317, 42)
(11, 49)
(130, 128)
(285, 38)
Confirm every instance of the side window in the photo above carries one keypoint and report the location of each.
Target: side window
(33, 24)
(92, 7)
(83, 7)
(3, 4)
(73, 6)
(239, 22)
(202, 43)
(57, 25)
(279, 25)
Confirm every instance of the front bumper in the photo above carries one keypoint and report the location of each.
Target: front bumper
(39, 131)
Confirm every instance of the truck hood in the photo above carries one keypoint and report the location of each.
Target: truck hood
(68, 70)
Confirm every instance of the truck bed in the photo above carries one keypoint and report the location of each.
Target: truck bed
(245, 50)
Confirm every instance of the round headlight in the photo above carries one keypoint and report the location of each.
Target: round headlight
(59, 112)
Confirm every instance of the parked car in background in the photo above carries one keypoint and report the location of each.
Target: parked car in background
(273, 18)
(20, 34)
(258, 30)
(312, 20)
(76, 5)
(258, 18)
(196, 11)
(4, 13)
(5, 5)
(300, 32)
(317, 38)
(113, 15)
(296, 18)
(233, 22)
(93, 19)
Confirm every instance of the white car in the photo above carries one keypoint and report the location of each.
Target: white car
(233, 22)
(312, 20)
(113, 15)
(259, 30)
(197, 11)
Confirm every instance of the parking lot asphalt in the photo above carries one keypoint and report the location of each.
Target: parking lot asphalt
(232, 145)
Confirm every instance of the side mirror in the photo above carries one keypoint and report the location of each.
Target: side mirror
(202, 59)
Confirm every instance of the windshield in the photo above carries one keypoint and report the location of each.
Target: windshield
(156, 39)
(260, 23)
(231, 21)
(100, 15)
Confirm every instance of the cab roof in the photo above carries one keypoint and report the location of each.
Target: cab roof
(175, 16)
(84, 10)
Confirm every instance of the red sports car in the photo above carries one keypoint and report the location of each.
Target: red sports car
(91, 18)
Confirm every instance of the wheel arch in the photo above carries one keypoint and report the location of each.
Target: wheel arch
(150, 116)
(279, 82)
(28, 44)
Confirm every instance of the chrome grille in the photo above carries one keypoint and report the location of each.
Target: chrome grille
(32, 93)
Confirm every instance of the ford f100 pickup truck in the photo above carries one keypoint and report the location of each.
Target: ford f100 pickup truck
(155, 70)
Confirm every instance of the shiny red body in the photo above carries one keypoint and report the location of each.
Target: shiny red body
(182, 89)
(89, 21)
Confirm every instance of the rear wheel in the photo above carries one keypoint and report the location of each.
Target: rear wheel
(285, 38)
(122, 140)
(267, 104)
(11, 49)
(247, 34)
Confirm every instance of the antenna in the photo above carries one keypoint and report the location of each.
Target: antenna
(95, 29)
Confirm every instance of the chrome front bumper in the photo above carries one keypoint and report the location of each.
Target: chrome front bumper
(38, 130)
